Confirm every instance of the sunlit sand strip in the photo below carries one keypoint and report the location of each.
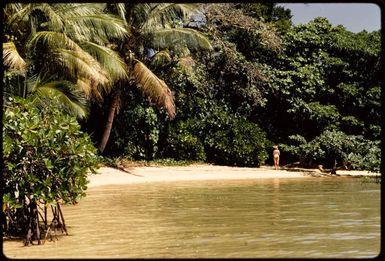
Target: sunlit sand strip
(111, 176)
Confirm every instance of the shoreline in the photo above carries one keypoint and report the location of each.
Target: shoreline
(135, 175)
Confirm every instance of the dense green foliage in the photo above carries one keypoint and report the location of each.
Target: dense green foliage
(218, 138)
(45, 153)
(212, 95)
(323, 83)
(61, 50)
(310, 81)
(352, 151)
(263, 80)
(46, 159)
(223, 82)
(306, 81)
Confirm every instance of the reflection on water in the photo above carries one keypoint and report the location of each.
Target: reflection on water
(315, 217)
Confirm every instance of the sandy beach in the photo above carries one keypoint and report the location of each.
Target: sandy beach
(112, 176)
(156, 225)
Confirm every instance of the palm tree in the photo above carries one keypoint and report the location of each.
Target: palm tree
(76, 40)
(62, 50)
(154, 26)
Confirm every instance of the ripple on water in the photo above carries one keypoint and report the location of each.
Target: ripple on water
(256, 219)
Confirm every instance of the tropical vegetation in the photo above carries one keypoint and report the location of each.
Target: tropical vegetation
(215, 83)
(301, 86)
(46, 161)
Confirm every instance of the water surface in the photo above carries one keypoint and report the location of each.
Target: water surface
(287, 218)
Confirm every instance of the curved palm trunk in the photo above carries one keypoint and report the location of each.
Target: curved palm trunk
(115, 100)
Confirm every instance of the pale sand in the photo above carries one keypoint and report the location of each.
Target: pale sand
(111, 176)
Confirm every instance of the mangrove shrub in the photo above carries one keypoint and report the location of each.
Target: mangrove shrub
(46, 160)
(336, 147)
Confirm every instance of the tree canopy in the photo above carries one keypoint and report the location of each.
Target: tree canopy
(303, 82)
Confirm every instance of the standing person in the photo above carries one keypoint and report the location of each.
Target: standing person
(276, 154)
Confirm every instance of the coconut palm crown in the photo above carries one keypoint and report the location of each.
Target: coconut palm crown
(157, 26)
(64, 47)
(80, 52)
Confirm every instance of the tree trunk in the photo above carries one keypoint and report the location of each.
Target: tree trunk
(115, 100)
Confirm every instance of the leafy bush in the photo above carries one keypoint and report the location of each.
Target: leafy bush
(352, 150)
(216, 136)
(366, 155)
(135, 133)
(184, 145)
(240, 143)
(46, 159)
(229, 140)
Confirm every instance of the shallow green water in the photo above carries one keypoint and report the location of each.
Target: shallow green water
(314, 217)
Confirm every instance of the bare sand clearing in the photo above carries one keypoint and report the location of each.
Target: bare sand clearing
(112, 176)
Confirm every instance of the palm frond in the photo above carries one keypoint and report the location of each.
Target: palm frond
(54, 19)
(51, 40)
(21, 15)
(83, 65)
(78, 21)
(97, 94)
(12, 58)
(69, 98)
(67, 53)
(98, 27)
(164, 14)
(121, 10)
(161, 58)
(12, 8)
(136, 13)
(112, 63)
(155, 88)
(84, 85)
(79, 9)
(164, 38)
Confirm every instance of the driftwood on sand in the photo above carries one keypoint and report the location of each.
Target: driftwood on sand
(332, 171)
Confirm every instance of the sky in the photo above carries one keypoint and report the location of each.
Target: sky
(355, 17)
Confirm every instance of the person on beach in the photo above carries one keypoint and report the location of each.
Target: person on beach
(276, 154)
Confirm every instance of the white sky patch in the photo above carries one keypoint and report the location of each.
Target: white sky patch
(355, 17)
